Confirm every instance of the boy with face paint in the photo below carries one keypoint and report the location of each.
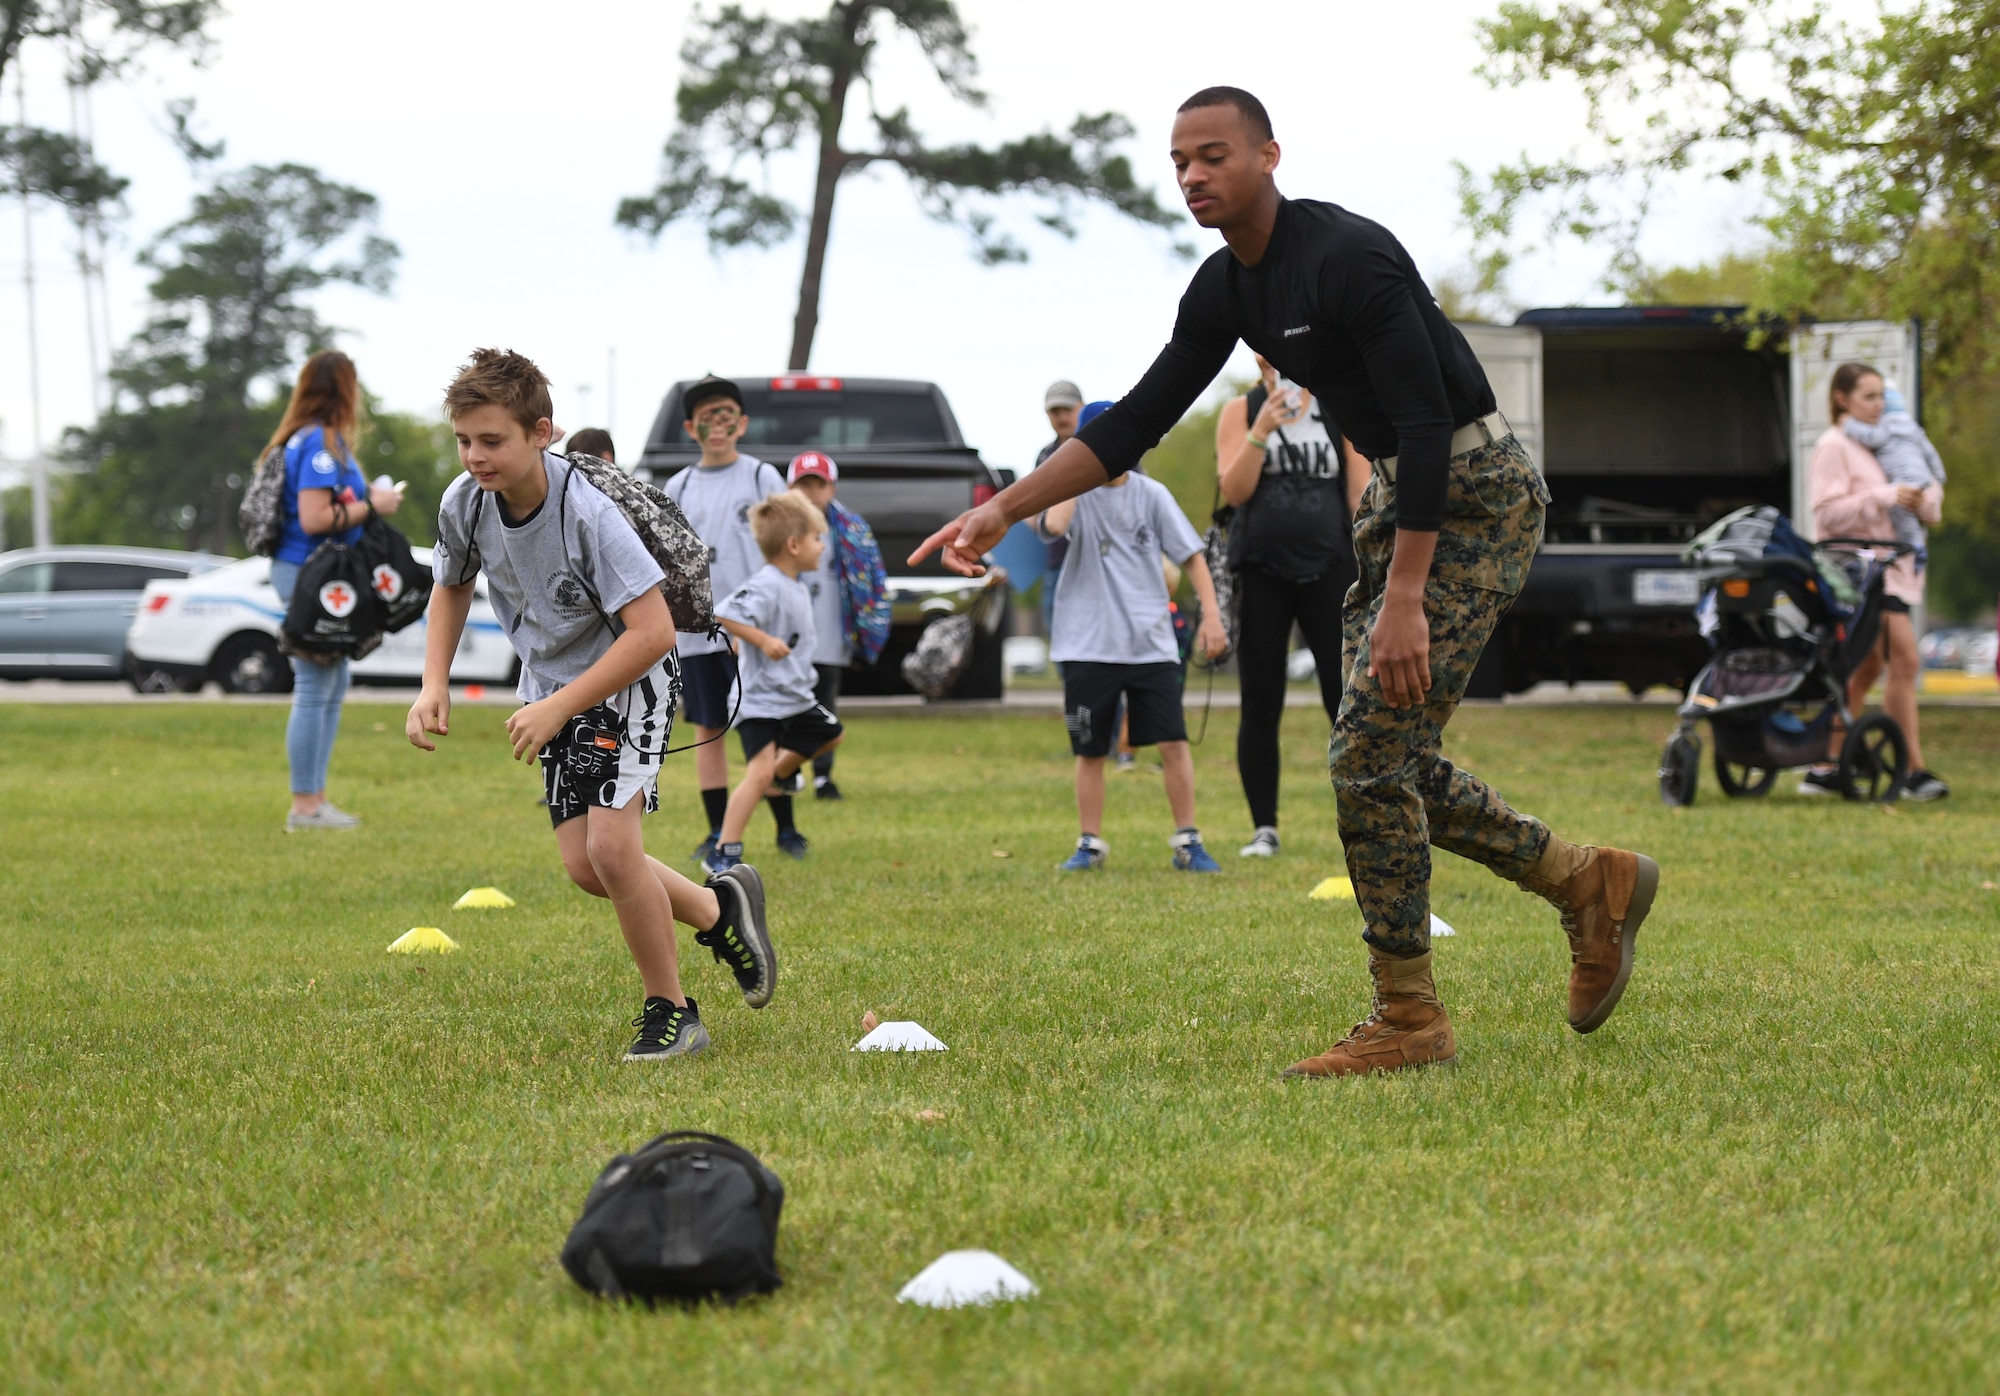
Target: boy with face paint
(716, 494)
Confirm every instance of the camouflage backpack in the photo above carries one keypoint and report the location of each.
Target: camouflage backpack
(668, 536)
(261, 516)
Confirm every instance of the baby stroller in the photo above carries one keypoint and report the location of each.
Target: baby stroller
(1789, 622)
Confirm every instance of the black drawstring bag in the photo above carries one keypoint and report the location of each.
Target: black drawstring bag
(334, 612)
(690, 1216)
(401, 585)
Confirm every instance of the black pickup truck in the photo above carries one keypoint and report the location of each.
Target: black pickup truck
(903, 466)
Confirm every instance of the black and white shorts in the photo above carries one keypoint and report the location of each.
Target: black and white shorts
(804, 732)
(612, 752)
(1152, 695)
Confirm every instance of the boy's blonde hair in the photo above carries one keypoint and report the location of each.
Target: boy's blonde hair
(779, 518)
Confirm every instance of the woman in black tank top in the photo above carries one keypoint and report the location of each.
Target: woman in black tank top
(1294, 483)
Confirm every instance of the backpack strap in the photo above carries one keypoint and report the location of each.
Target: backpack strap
(471, 569)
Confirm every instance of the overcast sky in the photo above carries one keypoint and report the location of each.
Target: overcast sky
(499, 138)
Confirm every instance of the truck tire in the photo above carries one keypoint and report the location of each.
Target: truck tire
(250, 663)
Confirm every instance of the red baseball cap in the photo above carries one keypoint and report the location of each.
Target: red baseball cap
(813, 463)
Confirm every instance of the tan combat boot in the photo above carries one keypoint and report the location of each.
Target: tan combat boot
(1603, 895)
(1409, 1026)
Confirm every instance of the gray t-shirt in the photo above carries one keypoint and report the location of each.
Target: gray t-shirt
(717, 500)
(1111, 604)
(781, 606)
(828, 624)
(543, 571)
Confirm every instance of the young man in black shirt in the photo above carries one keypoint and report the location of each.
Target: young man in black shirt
(1443, 541)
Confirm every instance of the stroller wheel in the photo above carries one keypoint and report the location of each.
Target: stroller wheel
(1874, 760)
(1680, 769)
(1741, 782)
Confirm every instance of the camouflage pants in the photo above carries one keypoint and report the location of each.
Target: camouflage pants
(1397, 794)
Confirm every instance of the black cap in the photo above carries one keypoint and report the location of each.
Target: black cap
(706, 389)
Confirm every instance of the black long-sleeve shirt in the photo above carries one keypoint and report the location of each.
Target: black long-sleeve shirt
(1337, 305)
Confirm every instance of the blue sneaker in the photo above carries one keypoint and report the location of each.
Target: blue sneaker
(705, 850)
(1089, 855)
(724, 857)
(792, 842)
(1190, 856)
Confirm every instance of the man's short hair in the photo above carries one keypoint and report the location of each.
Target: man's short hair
(709, 388)
(590, 441)
(1252, 110)
(500, 378)
(779, 518)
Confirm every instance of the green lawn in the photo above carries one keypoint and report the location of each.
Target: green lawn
(244, 1148)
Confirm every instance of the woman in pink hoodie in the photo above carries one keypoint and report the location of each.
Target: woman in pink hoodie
(1851, 498)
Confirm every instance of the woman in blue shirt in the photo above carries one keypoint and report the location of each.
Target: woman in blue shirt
(326, 496)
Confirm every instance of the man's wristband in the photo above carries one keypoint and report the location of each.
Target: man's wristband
(1254, 441)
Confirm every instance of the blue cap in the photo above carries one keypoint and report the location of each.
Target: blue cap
(1093, 409)
(1892, 400)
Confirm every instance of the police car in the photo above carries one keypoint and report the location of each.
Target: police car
(223, 625)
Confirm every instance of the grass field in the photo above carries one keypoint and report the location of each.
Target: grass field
(246, 1149)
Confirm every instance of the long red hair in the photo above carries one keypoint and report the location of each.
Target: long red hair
(327, 395)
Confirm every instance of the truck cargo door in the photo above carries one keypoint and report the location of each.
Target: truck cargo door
(1512, 358)
(1891, 346)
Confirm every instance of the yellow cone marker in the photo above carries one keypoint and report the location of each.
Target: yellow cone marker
(1334, 889)
(483, 897)
(419, 939)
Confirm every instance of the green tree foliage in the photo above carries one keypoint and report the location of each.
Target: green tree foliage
(201, 385)
(754, 86)
(98, 39)
(1878, 148)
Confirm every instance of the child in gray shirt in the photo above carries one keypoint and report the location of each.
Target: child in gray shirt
(780, 723)
(1907, 458)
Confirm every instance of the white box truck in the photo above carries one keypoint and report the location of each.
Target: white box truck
(1651, 422)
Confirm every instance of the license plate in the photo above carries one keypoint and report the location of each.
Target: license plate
(1666, 588)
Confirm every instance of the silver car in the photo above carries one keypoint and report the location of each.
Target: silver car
(64, 611)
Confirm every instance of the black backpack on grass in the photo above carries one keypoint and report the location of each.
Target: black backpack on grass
(690, 1216)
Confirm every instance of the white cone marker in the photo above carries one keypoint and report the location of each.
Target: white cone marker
(958, 1278)
(899, 1037)
(1439, 928)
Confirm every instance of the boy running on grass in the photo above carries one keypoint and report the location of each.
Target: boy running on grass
(580, 598)
(781, 725)
(1114, 636)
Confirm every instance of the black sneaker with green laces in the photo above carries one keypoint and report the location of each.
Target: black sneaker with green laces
(667, 1029)
(740, 938)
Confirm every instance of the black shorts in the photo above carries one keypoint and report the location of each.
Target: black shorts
(804, 732)
(606, 755)
(1090, 702)
(709, 688)
(1894, 605)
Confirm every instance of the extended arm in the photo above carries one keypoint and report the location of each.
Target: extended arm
(1111, 443)
(445, 624)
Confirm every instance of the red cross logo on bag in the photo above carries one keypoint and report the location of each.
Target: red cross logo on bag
(338, 599)
(388, 582)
